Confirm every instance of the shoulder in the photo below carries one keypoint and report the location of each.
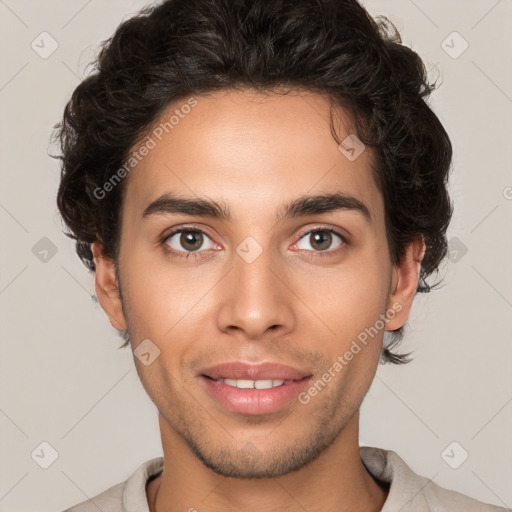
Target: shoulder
(410, 492)
(127, 496)
(108, 501)
(441, 499)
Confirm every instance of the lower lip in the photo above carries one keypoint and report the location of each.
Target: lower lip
(254, 401)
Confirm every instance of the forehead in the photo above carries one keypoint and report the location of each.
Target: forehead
(251, 151)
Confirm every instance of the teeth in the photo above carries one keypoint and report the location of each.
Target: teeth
(266, 384)
(251, 384)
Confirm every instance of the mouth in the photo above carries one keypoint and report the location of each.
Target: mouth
(253, 389)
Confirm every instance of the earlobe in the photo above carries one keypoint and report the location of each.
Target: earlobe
(405, 284)
(106, 287)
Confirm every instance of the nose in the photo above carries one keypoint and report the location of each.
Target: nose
(256, 298)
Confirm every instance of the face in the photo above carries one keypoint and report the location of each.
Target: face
(271, 280)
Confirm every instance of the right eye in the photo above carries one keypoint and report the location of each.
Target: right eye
(189, 240)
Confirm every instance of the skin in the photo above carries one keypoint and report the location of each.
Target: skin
(256, 152)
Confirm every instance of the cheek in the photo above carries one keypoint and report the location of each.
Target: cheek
(161, 294)
(348, 298)
(167, 305)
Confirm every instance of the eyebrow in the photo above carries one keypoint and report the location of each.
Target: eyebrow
(306, 205)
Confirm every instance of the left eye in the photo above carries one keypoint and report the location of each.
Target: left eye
(321, 240)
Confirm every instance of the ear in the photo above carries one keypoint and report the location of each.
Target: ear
(106, 287)
(404, 284)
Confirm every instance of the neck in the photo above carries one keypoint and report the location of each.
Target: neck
(337, 480)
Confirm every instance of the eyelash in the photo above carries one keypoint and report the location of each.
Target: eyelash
(181, 255)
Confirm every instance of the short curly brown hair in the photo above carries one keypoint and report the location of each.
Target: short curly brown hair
(188, 47)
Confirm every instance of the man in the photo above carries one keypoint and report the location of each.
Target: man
(260, 189)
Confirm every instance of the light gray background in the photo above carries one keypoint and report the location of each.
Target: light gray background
(62, 378)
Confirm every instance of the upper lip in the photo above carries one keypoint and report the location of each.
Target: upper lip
(246, 371)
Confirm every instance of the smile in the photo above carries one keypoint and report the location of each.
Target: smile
(254, 384)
